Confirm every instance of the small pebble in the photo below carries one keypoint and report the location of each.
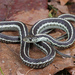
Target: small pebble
(10, 69)
(3, 61)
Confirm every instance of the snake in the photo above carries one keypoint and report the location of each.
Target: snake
(38, 36)
(24, 48)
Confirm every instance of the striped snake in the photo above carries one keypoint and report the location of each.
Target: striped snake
(38, 36)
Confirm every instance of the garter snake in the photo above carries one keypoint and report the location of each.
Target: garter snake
(24, 51)
(38, 30)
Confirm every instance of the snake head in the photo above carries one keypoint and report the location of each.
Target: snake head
(30, 39)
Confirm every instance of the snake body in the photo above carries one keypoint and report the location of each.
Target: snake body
(39, 37)
(51, 23)
(24, 51)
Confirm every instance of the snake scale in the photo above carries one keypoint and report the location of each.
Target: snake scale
(39, 36)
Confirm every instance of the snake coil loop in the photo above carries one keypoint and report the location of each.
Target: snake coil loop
(39, 32)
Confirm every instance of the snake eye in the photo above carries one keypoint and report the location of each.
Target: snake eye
(30, 39)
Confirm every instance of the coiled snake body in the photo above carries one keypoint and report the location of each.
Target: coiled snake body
(39, 37)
